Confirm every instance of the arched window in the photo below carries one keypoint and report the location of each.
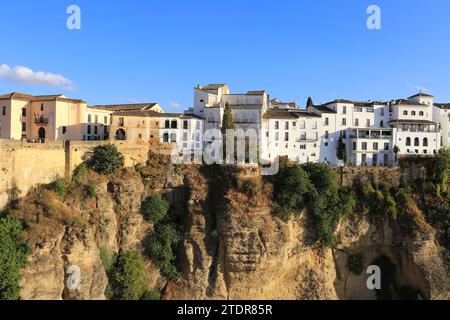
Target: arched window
(416, 142)
(421, 113)
(408, 141)
(405, 113)
(425, 142)
(413, 113)
(120, 134)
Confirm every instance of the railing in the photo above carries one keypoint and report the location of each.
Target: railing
(41, 120)
(353, 136)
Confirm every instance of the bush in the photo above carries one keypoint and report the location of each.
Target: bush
(155, 208)
(107, 258)
(160, 248)
(89, 190)
(292, 187)
(129, 279)
(13, 257)
(80, 174)
(60, 187)
(106, 159)
(355, 263)
(151, 295)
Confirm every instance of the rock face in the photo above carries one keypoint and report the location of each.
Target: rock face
(233, 246)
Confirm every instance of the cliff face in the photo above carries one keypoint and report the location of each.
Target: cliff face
(233, 247)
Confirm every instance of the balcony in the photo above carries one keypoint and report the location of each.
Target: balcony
(41, 120)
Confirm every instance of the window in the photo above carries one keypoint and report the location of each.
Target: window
(294, 124)
(89, 118)
(302, 135)
(173, 137)
(405, 113)
(286, 125)
(4, 111)
(121, 121)
(185, 136)
(105, 131)
(185, 124)
(364, 146)
(421, 113)
(96, 118)
(326, 145)
(364, 159)
(386, 146)
(425, 142)
(277, 125)
(381, 124)
(286, 136)
(303, 146)
(416, 142)
(368, 123)
(408, 141)
(24, 127)
(166, 137)
(344, 122)
(24, 112)
(375, 146)
(302, 124)
(89, 129)
(354, 145)
(267, 134)
(95, 130)
(105, 120)
(374, 159)
(167, 124)
(413, 113)
(327, 134)
(327, 121)
(356, 122)
(344, 110)
(42, 107)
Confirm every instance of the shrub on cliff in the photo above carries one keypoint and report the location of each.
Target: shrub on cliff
(129, 279)
(13, 256)
(60, 187)
(160, 248)
(155, 208)
(106, 159)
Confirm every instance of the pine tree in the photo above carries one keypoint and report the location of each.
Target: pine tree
(309, 103)
(227, 124)
(341, 152)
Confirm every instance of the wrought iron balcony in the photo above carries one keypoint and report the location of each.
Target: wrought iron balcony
(41, 120)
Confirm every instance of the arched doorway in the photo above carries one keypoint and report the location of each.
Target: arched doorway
(41, 134)
(120, 134)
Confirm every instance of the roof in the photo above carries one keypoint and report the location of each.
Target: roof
(29, 97)
(421, 94)
(442, 105)
(213, 86)
(324, 109)
(367, 103)
(337, 101)
(245, 106)
(279, 114)
(406, 102)
(256, 92)
(125, 107)
(305, 113)
(136, 113)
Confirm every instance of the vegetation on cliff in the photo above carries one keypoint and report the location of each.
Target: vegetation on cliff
(106, 159)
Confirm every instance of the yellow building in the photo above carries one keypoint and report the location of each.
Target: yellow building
(136, 125)
(40, 118)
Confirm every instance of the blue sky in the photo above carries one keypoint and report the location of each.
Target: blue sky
(158, 50)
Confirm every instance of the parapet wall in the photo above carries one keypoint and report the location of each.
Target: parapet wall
(24, 165)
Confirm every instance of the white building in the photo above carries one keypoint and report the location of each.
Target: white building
(441, 115)
(184, 129)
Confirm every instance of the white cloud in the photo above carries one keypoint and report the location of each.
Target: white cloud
(175, 106)
(21, 74)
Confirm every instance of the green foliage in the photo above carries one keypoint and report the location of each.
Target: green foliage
(151, 295)
(292, 187)
(106, 159)
(129, 279)
(160, 248)
(442, 169)
(376, 199)
(155, 208)
(89, 190)
(108, 259)
(227, 121)
(341, 150)
(355, 263)
(314, 187)
(60, 187)
(13, 257)
(80, 174)
(310, 102)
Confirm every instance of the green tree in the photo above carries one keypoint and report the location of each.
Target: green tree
(341, 150)
(13, 257)
(396, 152)
(442, 168)
(106, 159)
(160, 248)
(292, 187)
(129, 279)
(227, 121)
(309, 103)
(155, 208)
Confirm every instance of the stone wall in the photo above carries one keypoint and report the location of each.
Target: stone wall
(24, 165)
